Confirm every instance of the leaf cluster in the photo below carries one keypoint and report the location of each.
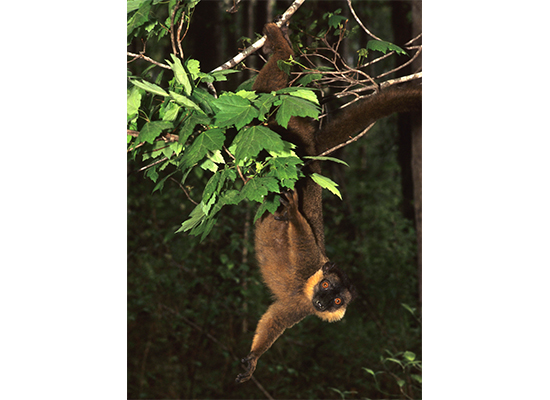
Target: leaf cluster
(185, 129)
(408, 373)
(148, 19)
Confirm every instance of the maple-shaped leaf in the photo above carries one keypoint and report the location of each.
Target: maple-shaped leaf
(294, 106)
(256, 188)
(307, 94)
(285, 169)
(384, 47)
(234, 110)
(151, 130)
(264, 103)
(250, 141)
(210, 140)
(270, 205)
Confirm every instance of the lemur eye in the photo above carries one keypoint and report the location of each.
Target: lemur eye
(338, 301)
(325, 285)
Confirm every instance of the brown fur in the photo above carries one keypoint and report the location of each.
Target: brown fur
(293, 268)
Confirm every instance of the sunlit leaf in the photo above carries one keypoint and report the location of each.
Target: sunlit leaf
(326, 183)
(150, 87)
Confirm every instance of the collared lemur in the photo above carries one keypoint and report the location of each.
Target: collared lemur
(289, 244)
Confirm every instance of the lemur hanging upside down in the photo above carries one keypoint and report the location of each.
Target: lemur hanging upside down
(290, 244)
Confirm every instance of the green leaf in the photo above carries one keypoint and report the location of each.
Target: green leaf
(384, 47)
(184, 101)
(247, 94)
(194, 68)
(234, 110)
(231, 197)
(195, 219)
(288, 150)
(204, 99)
(171, 112)
(326, 183)
(212, 160)
(395, 361)
(220, 76)
(210, 140)
(292, 106)
(409, 355)
(285, 65)
(250, 141)
(409, 308)
(336, 20)
(132, 5)
(176, 147)
(152, 174)
(151, 130)
(189, 124)
(140, 17)
(150, 87)
(306, 80)
(306, 94)
(160, 185)
(180, 74)
(207, 227)
(417, 378)
(264, 103)
(134, 101)
(269, 205)
(256, 188)
(336, 160)
(370, 371)
(285, 169)
(211, 186)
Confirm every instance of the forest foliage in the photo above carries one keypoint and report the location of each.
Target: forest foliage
(194, 292)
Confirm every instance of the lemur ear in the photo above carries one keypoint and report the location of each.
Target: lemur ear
(328, 267)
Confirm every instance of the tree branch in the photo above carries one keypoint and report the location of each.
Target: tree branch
(353, 139)
(260, 42)
(360, 23)
(172, 39)
(136, 56)
(185, 191)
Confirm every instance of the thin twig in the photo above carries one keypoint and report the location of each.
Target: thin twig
(180, 39)
(136, 56)
(413, 39)
(360, 23)
(152, 165)
(185, 191)
(402, 65)
(353, 139)
(172, 15)
(245, 181)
